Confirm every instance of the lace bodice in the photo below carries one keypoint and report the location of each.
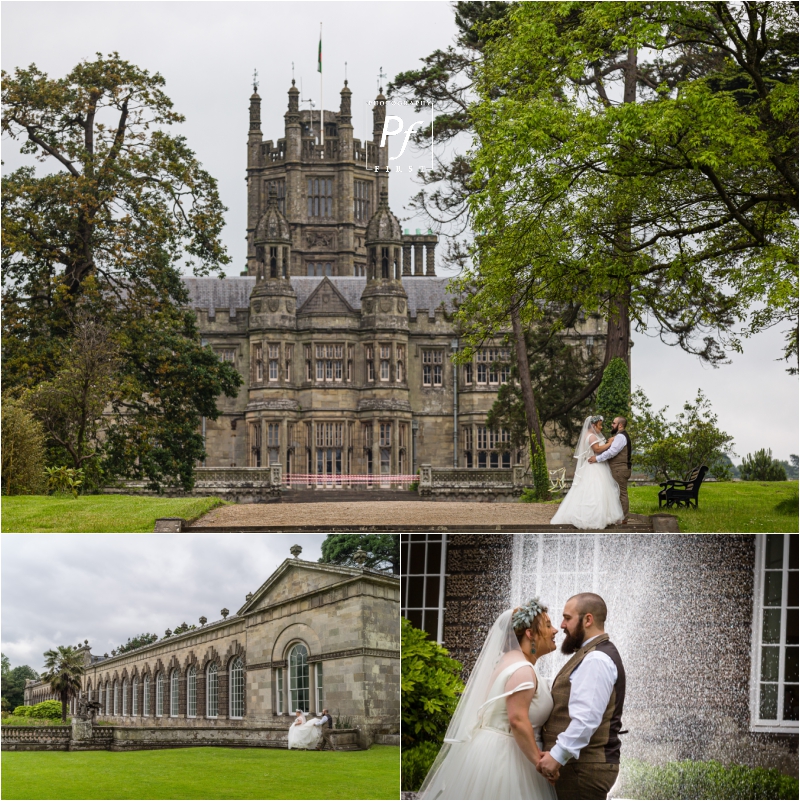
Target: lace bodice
(495, 715)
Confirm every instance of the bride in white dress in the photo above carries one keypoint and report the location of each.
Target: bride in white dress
(593, 499)
(303, 733)
(493, 741)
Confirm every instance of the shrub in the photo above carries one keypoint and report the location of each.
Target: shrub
(669, 449)
(430, 686)
(413, 486)
(46, 709)
(415, 764)
(614, 393)
(702, 780)
(23, 450)
(760, 466)
(64, 480)
(22, 711)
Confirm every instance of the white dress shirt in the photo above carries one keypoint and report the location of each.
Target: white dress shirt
(324, 719)
(592, 684)
(616, 446)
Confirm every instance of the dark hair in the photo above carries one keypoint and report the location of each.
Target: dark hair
(589, 603)
(537, 624)
(623, 420)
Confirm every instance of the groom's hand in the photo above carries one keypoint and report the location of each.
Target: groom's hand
(548, 767)
(592, 459)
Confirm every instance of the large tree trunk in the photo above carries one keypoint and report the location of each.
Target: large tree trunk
(541, 483)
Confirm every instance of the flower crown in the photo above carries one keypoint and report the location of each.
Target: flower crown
(524, 616)
(596, 418)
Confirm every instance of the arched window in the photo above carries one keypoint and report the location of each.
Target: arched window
(135, 697)
(385, 263)
(159, 694)
(89, 690)
(212, 688)
(173, 694)
(124, 696)
(116, 697)
(108, 697)
(298, 677)
(237, 688)
(191, 692)
(146, 697)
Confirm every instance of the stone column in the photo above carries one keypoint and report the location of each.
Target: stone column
(430, 264)
(406, 259)
(376, 452)
(418, 258)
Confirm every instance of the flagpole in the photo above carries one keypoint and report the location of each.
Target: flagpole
(321, 104)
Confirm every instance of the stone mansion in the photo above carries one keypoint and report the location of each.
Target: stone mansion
(340, 327)
(313, 636)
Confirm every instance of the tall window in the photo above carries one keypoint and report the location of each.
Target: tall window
(493, 447)
(273, 442)
(212, 690)
(774, 681)
(108, 698)
(319, 698)
(320, 197)
(124, 697)
(191, 692)
(227, 355)
(237, 688)
(274, 361)
(307, 355)
(279, 691)
(432, 368)
(422, 557)
(493, 366)
(146, 697)
(329, 363)
(386, 355)
(258, 363)
(288, 353)
(159, 694)
(400, 352)
(174, 683)
(369, 356)
(135, 697)
(116, 697)
(386, 435)
(298, 677)
(319, 268)
(255, 445)
(362, 205)
(279, 185)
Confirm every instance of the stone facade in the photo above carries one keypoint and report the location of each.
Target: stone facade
(312, 636)
(339, 325)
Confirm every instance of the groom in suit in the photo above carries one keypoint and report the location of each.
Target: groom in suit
(581, 736)
(618, 456)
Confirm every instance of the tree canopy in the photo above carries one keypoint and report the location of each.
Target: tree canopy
(13, 683)
(383, 550)
(63, 669)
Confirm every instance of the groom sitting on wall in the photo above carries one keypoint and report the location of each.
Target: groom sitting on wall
(618, 455)
(581, 736)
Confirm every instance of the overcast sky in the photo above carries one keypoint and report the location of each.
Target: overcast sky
(207, 53)
(62, 589)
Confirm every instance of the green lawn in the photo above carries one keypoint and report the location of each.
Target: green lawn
(203, 773)
(736, 506)
(97, 513)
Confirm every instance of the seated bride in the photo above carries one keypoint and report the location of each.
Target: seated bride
(304, 734)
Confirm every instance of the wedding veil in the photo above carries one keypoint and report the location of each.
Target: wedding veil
(583, 449)
(466, 719)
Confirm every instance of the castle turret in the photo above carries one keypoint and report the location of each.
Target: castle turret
(378, 119)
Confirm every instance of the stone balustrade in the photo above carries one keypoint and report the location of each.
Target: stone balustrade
(472, 484)
(36, 738)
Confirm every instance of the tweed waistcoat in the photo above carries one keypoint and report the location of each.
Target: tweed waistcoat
(604, 745)
(624, 456)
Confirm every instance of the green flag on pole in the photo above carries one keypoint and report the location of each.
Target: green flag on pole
(319, 58)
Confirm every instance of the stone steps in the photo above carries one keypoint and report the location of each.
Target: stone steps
(346, 495)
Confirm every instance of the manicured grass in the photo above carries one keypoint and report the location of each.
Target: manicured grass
(735, 506)
(203, 773)
(97, 513)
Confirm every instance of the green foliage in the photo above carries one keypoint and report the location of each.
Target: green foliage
(202, 773)
(22, 711)
(760, 466)
(137, 642)
(13, 682)
(668, 449)
(614, 393)
(23, 449)
(541, 478)
(702, 780)
(64, 667)
(413, 486)
(64, 480)
(788, 506)
(681, 201)
(791, 466)
(345, 722)
(383, 550)
(14, 720)
(50, 710)
(415, 764)
(430, 686)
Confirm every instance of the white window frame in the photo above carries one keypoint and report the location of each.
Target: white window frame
(134, 697)
(160, 694)
(236, 688)
(115, 696)
(758, 724)
(318, 687)
(174, 690)
(441, 574)
(124, 698)
(146, 696)
(191, 692)
(294, 689)
(279, 691)
(212, 678)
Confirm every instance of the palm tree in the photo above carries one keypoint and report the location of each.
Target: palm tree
(63, 670)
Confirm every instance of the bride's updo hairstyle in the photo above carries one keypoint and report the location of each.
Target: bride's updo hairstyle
(596, 418)
(528, 616)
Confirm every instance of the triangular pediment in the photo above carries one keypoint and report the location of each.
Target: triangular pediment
(293, 579)
(326, 299)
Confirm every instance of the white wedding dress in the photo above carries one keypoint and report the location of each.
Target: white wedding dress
(593, 499)
(307, 735)
(481, 759)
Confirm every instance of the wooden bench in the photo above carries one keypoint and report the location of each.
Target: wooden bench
(682, 493)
